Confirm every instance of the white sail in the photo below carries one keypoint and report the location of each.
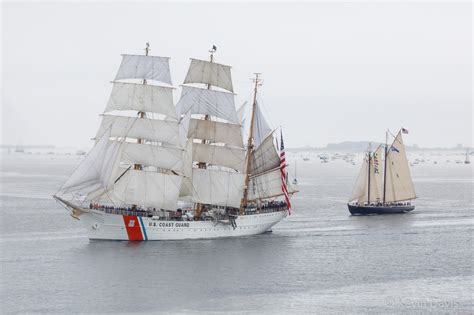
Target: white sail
(207, 102)
(376, 176)
(359, 192)
(96, 170)
(142, 98)
(265, 157)
(261, 129)
(217, 187)
(140, 128)
(206, 72)
(241, 113)
(399, 185)
(187, 185)
(148, 189)
(266, 185)
(230, 157)
(144, 67)
(216, 132)
(170, 158)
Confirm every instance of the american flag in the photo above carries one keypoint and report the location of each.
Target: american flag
(283, 173)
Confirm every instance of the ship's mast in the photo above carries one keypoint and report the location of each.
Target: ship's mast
(368, 184)
(206, 117)
(142, 114)
(385, 167)
(257, 81)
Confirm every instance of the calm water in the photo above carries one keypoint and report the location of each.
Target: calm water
(320, 259)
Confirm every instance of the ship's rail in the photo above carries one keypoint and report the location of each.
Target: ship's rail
(176, 216)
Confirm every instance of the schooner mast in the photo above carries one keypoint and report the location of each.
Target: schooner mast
(250, 145)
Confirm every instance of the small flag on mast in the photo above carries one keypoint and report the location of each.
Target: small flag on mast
(284, 188)
(405, 131)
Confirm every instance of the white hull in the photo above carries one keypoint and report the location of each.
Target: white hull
(105, 226)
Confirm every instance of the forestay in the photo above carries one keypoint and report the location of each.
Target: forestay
(399, 185)
(207, 102)
(217, 187)
(142, 98)
(140, 128)
(206, 72)
(144, 67)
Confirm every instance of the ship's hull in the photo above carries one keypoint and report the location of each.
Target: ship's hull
(106, 226)
(370, 210)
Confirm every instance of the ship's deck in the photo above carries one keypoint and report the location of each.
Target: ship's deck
(175, 216)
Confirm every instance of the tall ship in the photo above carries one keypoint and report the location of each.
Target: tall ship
(163, 172)
(384, 184)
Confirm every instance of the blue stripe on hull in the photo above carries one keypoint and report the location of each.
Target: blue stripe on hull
(143, 228)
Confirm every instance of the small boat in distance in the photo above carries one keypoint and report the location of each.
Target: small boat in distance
(384, 191)
(467, 160)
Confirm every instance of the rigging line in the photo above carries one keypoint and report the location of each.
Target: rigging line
(123, 174)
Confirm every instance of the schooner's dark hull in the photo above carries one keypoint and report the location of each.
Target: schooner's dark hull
(370, 210)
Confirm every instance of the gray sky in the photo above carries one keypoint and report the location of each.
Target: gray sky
(332, 71)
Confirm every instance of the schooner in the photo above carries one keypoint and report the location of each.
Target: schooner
(163, 172)
(384, 184)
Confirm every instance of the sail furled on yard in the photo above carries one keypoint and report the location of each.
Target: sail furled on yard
(399, 184)
(201, 71)
(144, 68)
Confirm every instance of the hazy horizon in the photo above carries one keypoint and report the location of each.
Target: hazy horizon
(332, 72)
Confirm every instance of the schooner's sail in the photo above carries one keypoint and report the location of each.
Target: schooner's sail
(365, 189)
(399, 185)
(382, 186)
